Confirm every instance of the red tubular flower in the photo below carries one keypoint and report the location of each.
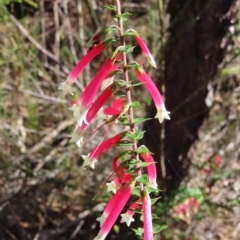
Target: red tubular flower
(122, 177)
(85, 100)
(193, 202)
(91, 158)
(151, 168)
(109, 207)
(147, 218)
(156, 96)
(109, 80)
(115, 108)
(73, 75)
(120, 200)
(101, 100)
(145, 50)
(90, 92)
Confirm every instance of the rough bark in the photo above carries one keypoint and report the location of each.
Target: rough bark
(193, 52)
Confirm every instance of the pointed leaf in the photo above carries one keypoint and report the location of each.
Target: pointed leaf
(143, 179)
(141, 120)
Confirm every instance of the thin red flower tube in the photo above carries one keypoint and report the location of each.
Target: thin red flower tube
(143, 77)
(122, 177)
(108, 208)
(147, 217)
(92, 157)
(76, 71)
(115, 108)
(80, 109)
(109, 79)
(145, 50)
(151, 168)
(122, 197)
(93, 110)
(143, 46)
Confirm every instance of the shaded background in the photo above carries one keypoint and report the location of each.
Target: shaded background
(44, 194)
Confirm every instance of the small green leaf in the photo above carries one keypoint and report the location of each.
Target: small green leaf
(142, 149)
(136, 84)
(154, 216)
(141, 120)
(127, 49)
(133, 163)
(111, 7)
(131, 33)
(150, 189)
(136, 191)
(133, 65)
(145, 164)
(125, 143)
(122, 83)
(137, 135)
(139, 231)
(124, 120)
(153, 200)
(126, 14)
(157, 229)
(136, 104)
(123, 153)
(142, 179)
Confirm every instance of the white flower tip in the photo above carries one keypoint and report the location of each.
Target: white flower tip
(162, 114)
(101, 236)
(66, 87)
(127, 219)
(81, 117)
(79, 142)
(153, 185)
(101, 220)
(107, 82)
(111, 187)
(77, 137)
(151, 60)
(79, 114)
(88, 161)
(92, 163)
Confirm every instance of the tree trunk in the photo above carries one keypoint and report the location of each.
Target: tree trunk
(196, 45)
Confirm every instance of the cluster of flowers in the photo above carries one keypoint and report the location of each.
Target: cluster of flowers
(190, 205)
(212, 163)
(210, 167)
(85, 109)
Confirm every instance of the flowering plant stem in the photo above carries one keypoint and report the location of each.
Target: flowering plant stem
(127, 88)
(128, 164)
